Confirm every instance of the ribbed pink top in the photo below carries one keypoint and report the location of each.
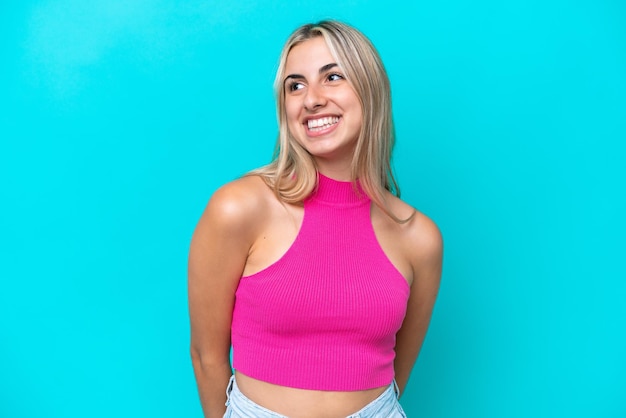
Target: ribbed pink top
(326, 314)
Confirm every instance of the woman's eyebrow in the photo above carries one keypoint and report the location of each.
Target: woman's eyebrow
(322, 70)
(328, 67)
(296, 76)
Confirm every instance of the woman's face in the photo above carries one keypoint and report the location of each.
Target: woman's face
(323, 111)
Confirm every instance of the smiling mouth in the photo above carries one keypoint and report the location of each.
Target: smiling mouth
(317, 125)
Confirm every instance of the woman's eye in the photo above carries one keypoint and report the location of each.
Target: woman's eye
(335, 77)
(295, 86)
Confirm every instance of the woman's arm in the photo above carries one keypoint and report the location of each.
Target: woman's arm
(425, 251)
(217, 257)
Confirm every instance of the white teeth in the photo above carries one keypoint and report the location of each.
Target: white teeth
(322, 123)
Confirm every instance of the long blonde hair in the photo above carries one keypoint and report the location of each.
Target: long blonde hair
(292, 174)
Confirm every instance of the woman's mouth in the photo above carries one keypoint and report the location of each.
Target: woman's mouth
(322, 124)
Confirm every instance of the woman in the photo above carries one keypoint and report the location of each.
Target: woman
(318, 274)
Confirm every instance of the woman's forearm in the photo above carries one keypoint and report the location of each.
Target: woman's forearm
(212, 381)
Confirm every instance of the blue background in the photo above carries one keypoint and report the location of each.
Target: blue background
(118, 119)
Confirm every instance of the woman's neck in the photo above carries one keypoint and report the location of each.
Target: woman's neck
(336, 171)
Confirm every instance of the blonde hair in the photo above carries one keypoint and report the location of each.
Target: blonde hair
(292, 174)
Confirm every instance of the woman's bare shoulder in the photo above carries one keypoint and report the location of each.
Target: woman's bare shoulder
(421, 234)
(239, 204)
(242, 193)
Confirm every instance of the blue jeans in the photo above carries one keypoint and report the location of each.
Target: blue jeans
(385, 406)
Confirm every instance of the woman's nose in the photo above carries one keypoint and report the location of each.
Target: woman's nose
(314, 98)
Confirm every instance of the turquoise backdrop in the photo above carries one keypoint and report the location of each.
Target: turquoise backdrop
(118, 119)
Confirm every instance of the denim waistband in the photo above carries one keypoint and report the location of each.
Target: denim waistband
(386, 405)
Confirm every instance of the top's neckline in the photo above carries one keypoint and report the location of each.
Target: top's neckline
(339, 192)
